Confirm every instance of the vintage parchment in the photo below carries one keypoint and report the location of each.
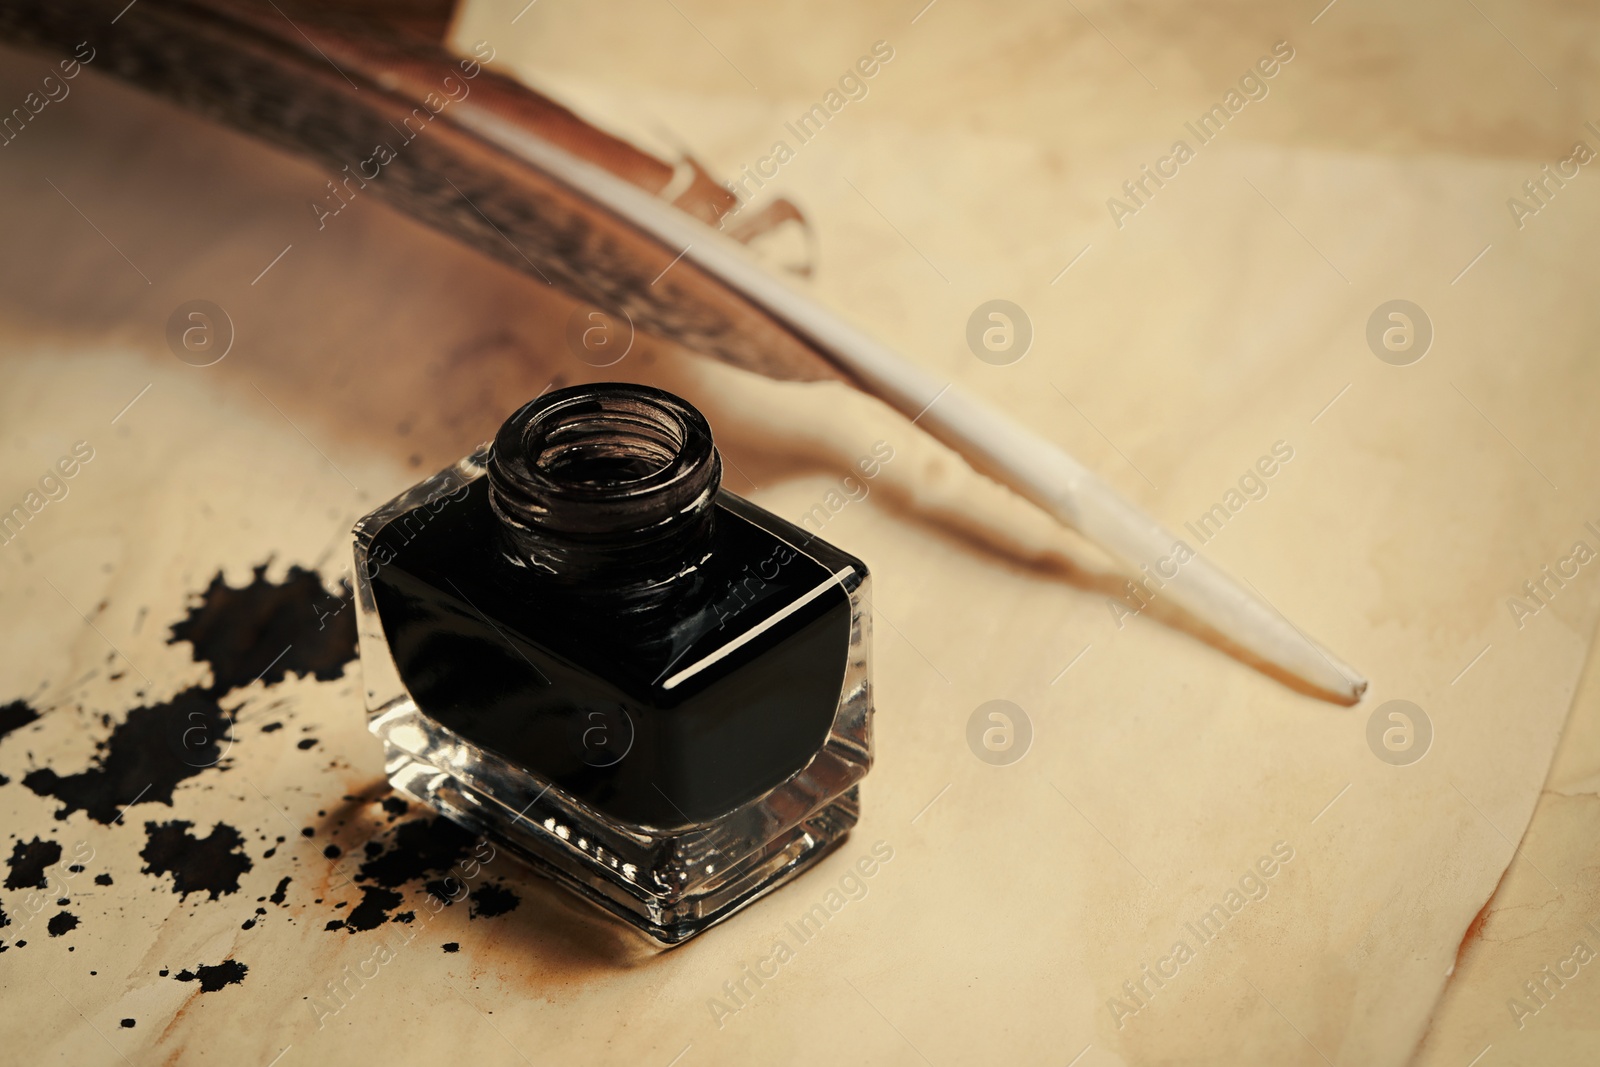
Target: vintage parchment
(1227, 315)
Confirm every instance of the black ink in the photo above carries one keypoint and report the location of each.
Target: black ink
(515, 666)
(269, 630)
(15, 715)
(373, 911)
(28, 862)
(214, 976)
(489, 900)
(211, 864)
(145, 757)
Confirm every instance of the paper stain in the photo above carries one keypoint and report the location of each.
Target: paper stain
(213, 977)
(147, 755)
(432, 850)
(266, 631)
(491, 899)
(210, 864)
(28, 862)
(15, 715)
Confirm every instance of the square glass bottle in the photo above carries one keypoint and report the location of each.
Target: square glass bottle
(575, 641)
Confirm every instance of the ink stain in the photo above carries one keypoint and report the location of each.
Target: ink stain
(15, 715)
(128, 1024)
(333, 852)
(144, 758)
(396, 807)
(373, 911)
(489, 900)
(28, 862)
(422, 847)
(264, 631)
(306, 743)
(419, 850)
(215, 976)
(451, 946)
(211, 864)
(268, 630)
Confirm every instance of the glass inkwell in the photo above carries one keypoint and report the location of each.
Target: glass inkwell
(577, 642)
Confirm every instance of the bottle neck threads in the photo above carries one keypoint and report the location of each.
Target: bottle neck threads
(609, 486)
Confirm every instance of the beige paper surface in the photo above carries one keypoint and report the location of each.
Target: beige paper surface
(1223, 318)
(1538, 929)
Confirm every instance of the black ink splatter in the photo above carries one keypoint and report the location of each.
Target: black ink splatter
(128, 1024)
(446, 890)
(102, 879)
(421, 847)
(265, 630)
(15, 715)
(269, 630)
(61, 923)
(489, 900)
(214, 976)
(278, 893)
(144, 759)
(374, 909)
(396, 807)
(28, 862)
(272, 727)
(211, 864)
(333, 852)
(451, 946)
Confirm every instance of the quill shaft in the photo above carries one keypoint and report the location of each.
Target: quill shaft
(1039, 470)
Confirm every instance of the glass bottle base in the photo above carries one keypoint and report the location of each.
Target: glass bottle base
(669, 885)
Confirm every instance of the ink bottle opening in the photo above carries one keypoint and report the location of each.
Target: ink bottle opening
(576, 641)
